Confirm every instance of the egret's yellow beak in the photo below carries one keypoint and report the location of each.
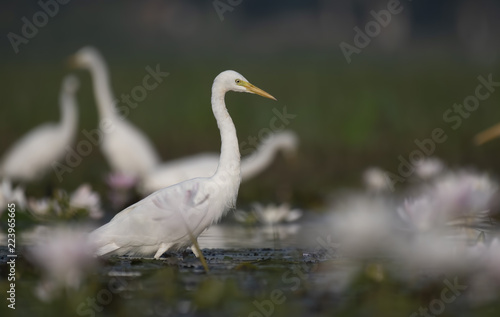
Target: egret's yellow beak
(255, 90)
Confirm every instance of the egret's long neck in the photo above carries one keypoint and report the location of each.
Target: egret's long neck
(254, 163)
(102, 88)
(69, 117)
(229, 162)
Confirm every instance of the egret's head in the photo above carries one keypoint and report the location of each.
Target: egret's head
(84, 57)
(230, 80)
(70, 84)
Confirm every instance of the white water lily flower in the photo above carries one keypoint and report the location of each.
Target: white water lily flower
(464, 193)
(42, 206)
(273, 214)
(460, 198)
(83, 197)
(11, 195)
(420, 213)
(429, 167)
(377, 180)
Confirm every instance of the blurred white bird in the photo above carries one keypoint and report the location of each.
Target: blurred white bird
(126, 148)
(205, 165)
(173, 217)
(30, 157)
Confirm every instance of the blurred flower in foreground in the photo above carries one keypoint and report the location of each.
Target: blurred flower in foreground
(64, 258)
(272, 214)
(377, 180)
(429, 167)
(419, 212)
(364, 226)
(11, 195)
(460, 198)
(83, 197)
(464, 193)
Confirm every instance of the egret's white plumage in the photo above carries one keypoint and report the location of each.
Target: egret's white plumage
(127, 149)
(172, 217)
(205, 165)
(30, 157)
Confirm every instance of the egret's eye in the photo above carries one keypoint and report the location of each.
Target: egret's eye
(237, 81)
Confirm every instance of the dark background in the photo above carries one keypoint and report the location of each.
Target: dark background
(349, 116)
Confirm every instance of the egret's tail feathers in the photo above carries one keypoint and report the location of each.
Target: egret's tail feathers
(108, 248)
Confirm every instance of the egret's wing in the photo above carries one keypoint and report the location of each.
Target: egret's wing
(185, 201)
(162, 217)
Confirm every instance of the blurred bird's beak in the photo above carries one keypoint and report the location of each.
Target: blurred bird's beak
(256, 90)
(487, 135)
(71, 62)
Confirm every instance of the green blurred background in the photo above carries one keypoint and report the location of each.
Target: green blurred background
(349, 116)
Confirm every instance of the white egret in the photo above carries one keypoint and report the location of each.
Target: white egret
(205, 165)
(127, 150)
(173, 217)
(32, 156)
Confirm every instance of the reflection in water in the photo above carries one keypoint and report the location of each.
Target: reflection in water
(286, 235)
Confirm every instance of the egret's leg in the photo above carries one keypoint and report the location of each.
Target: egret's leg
(163, 248)
(197, 251)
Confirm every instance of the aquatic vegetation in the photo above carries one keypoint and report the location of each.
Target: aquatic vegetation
(82, 202)
(11, 195)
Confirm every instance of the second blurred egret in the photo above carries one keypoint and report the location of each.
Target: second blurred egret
(126, 148)
(205, 165)
(33, 155)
